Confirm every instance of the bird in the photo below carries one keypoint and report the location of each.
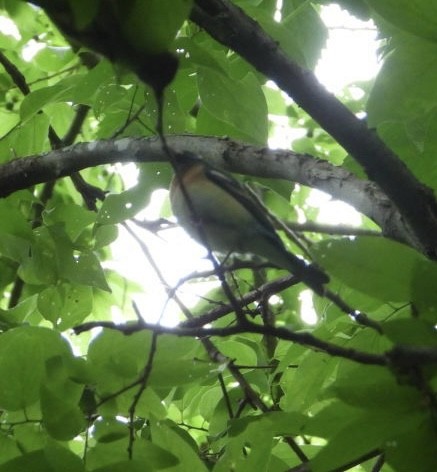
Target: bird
(220, 213)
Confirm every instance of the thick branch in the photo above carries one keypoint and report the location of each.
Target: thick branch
(364, 196)
(229, 25)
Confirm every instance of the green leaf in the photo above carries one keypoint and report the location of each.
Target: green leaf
(330, 420)
(13, 247)
(151, 404)
(113, 456)
(39, 266)
(65, 305)
(414, 141)
(8, 121)
(302, 386)
(109, 98)
(363, 435)
(274, 422)
(85, 269)
(35, 461)
(62, 419)
(240, 104)
(209, 125)
(60, 400)
(208, 401)
(8, 448)
(150, 26)
(404, 88)
(61, 458)
(74, 217)
(307, 30)
(238, 351)
(117, 359)
(51, 58)
(301, 33)
(91, 83)
(378, 267)
(125, 466)
(418, 17)
(174, 440)
(158, 457)
(414, 449)
(20, 379)
(84, 11)
(374, 388)
(258, 439)
(52, 458)
(275, 101)
(61, 115)
(105, 235)
(35, 101)
(107, 430)
(179, 372)
(24, 352)
(31, 137)
(23, 311)
(411, 332)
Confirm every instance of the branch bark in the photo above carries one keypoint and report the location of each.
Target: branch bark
(364, 196)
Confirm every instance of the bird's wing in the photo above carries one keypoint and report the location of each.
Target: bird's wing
(241, 194)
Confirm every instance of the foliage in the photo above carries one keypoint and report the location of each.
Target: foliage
(354, 392)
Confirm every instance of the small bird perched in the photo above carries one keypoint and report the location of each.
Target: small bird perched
(222, 215)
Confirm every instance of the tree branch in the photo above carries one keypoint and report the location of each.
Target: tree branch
(302, 338)
(364, 196)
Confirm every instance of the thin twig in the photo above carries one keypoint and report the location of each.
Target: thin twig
(142, 386)
(302, 338)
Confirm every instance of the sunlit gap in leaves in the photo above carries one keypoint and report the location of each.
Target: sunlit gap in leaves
(31, 48)
(307, 312)
(8, 28)
(350, 52)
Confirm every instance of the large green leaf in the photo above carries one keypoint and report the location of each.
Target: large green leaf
(413, 449)
(117, 359)
(65, 305)
(301, 33)
(85, 269)
(151, 25)
(374, 388)
(75, 218)
(302, 386)
(23, 354)
(20, 379)
(404, 89)
(62, 419)
(365, 434)
(254, 437)
(378, 267)
(147, 456)
(415, 16)
(240, 104)
(35, 101)
(176, 441)
(52, 458)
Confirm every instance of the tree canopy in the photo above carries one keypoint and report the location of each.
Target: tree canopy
(241, 382)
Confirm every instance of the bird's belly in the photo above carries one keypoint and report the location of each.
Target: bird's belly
(226, 227)
(219, 237)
